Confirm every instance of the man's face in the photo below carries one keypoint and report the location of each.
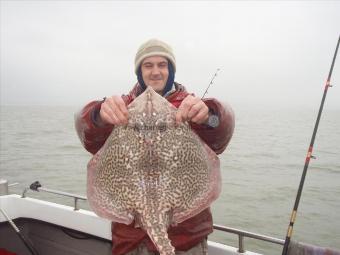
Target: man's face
(155, 72)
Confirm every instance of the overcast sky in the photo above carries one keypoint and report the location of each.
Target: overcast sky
(70, 52)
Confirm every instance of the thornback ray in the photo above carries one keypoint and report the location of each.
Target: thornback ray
(153, 171)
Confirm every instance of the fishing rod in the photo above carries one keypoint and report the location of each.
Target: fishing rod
(26, 241)
(308, 157)
(211, 82)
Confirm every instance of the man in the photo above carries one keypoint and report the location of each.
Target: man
(155, 66)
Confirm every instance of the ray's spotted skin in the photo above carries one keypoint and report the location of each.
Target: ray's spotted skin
(153, 171)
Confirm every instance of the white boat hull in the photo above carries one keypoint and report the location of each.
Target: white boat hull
(80, 220)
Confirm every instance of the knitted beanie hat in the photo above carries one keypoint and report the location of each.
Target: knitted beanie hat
(154, 47)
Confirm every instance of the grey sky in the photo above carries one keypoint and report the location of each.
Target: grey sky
(70, 52)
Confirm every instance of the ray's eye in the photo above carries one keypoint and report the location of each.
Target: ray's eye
(138, 126)
(161, 126)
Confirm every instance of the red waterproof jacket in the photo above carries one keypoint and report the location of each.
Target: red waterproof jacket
(190, 232)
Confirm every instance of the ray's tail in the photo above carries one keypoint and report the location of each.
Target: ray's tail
(156, 225)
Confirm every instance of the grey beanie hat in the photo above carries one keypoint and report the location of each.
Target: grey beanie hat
(154, 47)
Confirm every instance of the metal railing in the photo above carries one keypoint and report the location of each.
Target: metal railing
(36, 186)
(241, 234)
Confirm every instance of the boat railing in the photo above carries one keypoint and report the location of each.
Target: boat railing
(36, 186)
(242, 234)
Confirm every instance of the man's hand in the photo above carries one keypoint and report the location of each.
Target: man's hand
(114, 111)
(192, 109)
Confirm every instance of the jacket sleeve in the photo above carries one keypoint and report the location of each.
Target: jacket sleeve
(91, 134)
(217, 138)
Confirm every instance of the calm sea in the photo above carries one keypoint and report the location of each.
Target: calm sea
(261, 169)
